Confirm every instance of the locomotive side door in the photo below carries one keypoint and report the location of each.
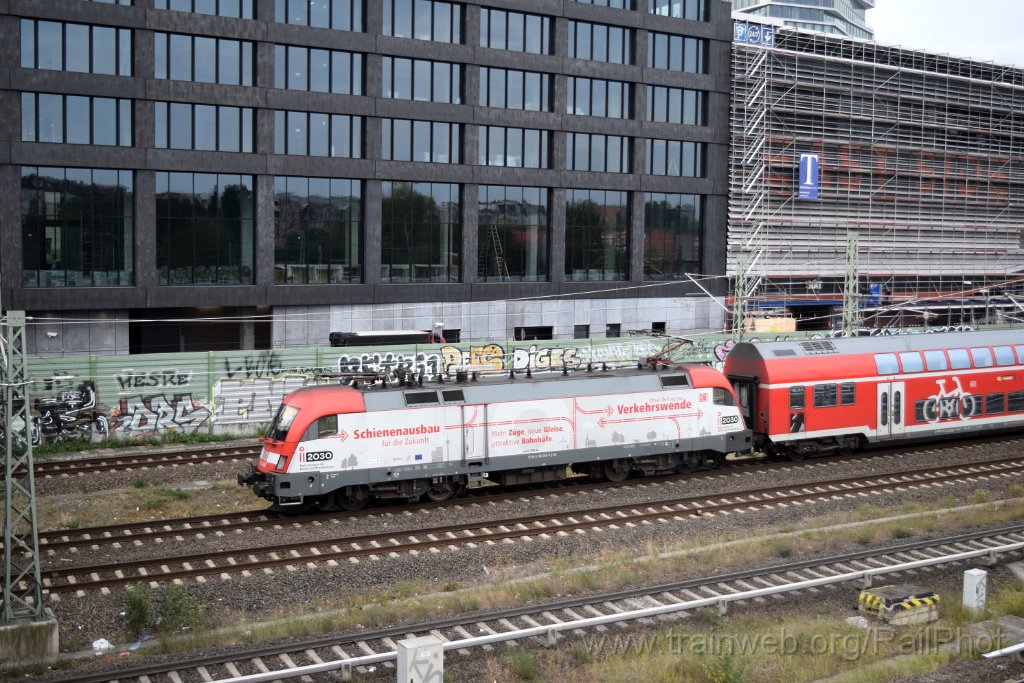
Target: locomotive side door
(891, 409)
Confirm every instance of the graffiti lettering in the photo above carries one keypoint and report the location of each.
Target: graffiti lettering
(264, 364)
(132, 379)
(239, 401)
(143, 415)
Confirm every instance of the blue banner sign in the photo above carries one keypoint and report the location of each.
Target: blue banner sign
(753, 34)
(810, 170)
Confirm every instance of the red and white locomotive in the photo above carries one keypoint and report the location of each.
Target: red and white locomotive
(335, 446)
(815, 396)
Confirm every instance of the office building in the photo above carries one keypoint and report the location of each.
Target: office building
(217, 174)
(836, 17)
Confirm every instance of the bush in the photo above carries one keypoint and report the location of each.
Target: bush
(524, 664)
(138, 609)
(179, 611)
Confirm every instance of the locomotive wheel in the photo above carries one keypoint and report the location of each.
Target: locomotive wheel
(690, 462)
(441, 490)
(616, 470)
(351, 498)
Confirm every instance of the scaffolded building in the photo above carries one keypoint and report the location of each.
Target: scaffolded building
(920, 155)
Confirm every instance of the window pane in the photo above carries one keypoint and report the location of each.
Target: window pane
(229, 128)
(205, 127)
(77, 48)
(229, 65)
(296, 140)
(51, 118)
(181, 58)
(104, 50)
(104, 122)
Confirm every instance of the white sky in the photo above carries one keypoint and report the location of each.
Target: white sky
(986, 30)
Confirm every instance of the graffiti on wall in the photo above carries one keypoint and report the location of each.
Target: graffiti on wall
(252, 401)
(68, 413)
(145, 415)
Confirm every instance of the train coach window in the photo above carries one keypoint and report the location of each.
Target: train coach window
(995, 404)
(1015, 401)
(982, 356)
(958, 359)
(1020, 352)
(886, 364)
(796, 398)
(1004, 355)
(721, 397)
(935, 361)
(847, 393)
(825, 395)
(911, 361)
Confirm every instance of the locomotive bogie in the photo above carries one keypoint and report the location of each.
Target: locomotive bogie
(409, 443)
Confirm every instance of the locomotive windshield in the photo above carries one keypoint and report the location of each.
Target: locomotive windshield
(282, 422)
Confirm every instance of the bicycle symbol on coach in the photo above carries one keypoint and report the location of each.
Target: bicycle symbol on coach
(949, 405)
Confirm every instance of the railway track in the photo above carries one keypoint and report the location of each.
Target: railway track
(564, 613)
(142, 460)
(357, 548)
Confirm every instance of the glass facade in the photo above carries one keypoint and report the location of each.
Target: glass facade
(76, 120)
(203, 127)
(204, 229)
(675, 158)
(425, 141)
(596, 97)
(504, 30)
(423, 20)
(677, 105)
(318, 135)
(513, 147)
(677, 53)
(77, 227)
(63, 46)
(600, 42)
(596, 235)
(598, 153)
(318, 230)
(673, 231)
(302, 68)
(421, 232)
(240, 9)
(694, 10)
(514, 89)
(422, 80)
(202, 60)
(341, 15)
(513, 231)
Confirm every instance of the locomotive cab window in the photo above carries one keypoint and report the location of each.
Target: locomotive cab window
(847, 393)
(911, 361)
(721, 397)
(282, 422)
(321, 428)
(935, 361)
(982, 356)
(796, 398)
(886, 364)
(1004, 355)
(958, 359)
(825, 395)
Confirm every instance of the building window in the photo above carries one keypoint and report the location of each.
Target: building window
(204, 229)
(612, 330)
(600, 42)
(239, 9)
(599, 153)
(677, 53)
(673, 226)
(61, 46)
(203, 127)
(693, 10)
(512, 89)
(514, 147)
(427, 141)
(596, 97)
(318, 135)
(675, 158)
(421, 232)
(126, 3)
(513, 233)
(341, 15)
(303, 68)
(677, 105)
(614, 4)
(422, 80)
(77, 227)
(515, 31)
(423, 20)
(318, 230)
(76, 120)
(202, 60)
(596, 235)
(581, 331)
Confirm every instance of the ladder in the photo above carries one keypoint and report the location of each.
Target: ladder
(493, 251)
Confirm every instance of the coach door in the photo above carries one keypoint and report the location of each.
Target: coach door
(891, 397)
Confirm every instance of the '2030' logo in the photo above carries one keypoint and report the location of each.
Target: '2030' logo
(318, 456)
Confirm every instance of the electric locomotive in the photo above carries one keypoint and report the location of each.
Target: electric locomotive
(337, 446)
(808, 397)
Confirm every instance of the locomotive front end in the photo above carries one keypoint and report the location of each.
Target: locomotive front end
(274, 456)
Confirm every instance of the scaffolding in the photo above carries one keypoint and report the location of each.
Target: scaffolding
(921, 155)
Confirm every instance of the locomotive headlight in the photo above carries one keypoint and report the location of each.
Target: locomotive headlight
(281, 462)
